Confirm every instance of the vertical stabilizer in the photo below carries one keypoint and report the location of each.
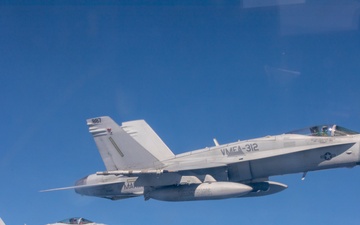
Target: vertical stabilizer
(146, 137)
(1, 222)
(118, 149)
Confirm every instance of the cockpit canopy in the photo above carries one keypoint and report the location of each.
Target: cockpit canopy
(325, 131)
(75, 220)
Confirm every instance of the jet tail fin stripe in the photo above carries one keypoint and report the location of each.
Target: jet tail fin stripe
(116, 147)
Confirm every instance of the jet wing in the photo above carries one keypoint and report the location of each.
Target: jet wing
(193, 165)
(172, 168)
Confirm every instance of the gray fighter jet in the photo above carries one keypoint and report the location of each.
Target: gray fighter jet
(76, 220)
(138, 163)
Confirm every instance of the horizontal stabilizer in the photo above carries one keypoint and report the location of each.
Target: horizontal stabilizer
(80, 186)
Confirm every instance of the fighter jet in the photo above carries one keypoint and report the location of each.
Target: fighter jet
(138, 163)
(76, 220)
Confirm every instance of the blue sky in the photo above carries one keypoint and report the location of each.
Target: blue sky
(230, 70)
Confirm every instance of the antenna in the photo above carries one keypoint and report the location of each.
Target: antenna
(216, 142)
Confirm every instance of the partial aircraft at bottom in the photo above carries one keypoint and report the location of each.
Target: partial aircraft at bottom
(76, 220)
(138, 163)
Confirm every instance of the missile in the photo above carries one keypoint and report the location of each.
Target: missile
(204, 191)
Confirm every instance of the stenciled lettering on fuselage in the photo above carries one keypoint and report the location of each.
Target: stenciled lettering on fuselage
(129, 186)
(322, 140)
(239, 149)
